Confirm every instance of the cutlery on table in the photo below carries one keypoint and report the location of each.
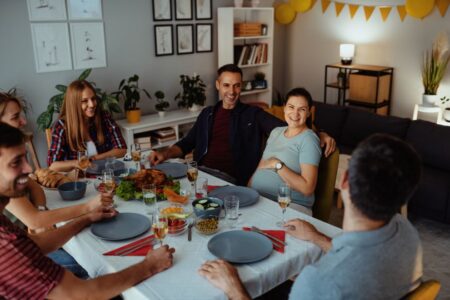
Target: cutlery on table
(274, 239)
(190, 231)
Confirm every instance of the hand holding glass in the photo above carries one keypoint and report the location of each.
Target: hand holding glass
(83, 161)
(160, 227)
(284, 199)
(108, 181)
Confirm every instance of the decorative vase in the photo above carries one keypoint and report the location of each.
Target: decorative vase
(238, 3)
(429, 100)
(161, 113)
(446, 114)
(195, 108)
(133, 116)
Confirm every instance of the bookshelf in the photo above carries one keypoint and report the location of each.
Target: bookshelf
(232, 38)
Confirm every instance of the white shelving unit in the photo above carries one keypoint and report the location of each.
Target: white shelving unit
(227, 17)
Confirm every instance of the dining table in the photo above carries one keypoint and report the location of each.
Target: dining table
(182, 281)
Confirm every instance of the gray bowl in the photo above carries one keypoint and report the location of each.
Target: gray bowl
(208, 212)
(71, 191)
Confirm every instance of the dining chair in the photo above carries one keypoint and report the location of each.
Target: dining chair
(32, 151)
(48, 135)
(324, 192)
(427, 290)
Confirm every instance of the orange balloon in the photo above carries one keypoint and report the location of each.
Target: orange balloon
(419, 8)
(301, 5)
(284, 14)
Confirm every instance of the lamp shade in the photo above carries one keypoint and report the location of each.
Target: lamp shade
(346, 52)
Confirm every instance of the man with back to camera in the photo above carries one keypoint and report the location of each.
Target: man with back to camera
(379, 254)
(229, 136)
(25, 271)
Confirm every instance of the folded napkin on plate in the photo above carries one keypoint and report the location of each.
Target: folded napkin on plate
(279, 234)
(141, 251)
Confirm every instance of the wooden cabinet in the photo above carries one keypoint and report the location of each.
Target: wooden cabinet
(256, 36)
(368, 86)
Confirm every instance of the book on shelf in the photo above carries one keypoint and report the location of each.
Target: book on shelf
(142, 140)
(251, 54)
(160, 140)
(146, 146)
(164, 132)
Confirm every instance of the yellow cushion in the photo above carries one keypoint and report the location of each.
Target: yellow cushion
(427, 290)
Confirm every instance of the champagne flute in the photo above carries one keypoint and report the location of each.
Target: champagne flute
(108, 181)
(83, 161)
(192, 174)
(284, 199)
(160, 227)
(136, 155)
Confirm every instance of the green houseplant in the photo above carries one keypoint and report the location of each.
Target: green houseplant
(130, 92)
(107, 102)
(193, 94)
(434, 67)
(161, 104)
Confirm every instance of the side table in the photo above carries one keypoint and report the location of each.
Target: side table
(427, 109)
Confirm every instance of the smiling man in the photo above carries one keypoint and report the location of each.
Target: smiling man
(228, 138)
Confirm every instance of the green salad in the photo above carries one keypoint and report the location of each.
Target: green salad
(127, 190)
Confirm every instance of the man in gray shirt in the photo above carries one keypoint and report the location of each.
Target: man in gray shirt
(379, 255)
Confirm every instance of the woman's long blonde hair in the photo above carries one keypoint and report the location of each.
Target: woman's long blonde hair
(77, 127)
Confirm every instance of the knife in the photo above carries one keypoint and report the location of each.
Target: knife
(256, 229)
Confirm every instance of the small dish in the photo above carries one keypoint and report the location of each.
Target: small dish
(208, 206)
(207, 225)
(71, 191)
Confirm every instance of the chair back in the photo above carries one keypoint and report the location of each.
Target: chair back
(427, 290)
(31, 151)
(48, 135)
(324, 192)
(277, 111)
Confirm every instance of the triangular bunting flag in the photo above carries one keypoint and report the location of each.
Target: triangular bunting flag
(339, 7)
(368, 10)
(313, 3)
(385, 11)
(353, 8)
(325, 4)
(401, 12)
(442, 5)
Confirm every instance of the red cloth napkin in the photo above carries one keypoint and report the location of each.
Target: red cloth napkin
(213, 187)
(279, 234)
(138, 252)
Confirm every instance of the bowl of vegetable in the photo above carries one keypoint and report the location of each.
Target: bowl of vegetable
(208, 206)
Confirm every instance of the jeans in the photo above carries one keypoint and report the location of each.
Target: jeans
(65, 260)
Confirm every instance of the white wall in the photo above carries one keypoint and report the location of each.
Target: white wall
(313, 41)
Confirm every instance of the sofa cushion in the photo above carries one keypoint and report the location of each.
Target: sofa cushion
(330, 118)
(361, 124)
(432, 142)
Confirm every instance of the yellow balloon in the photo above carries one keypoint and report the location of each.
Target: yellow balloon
(284, 13)
(301, 5)
(419, 8)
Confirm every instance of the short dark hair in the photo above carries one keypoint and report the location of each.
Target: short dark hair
(302, 92)
(384, 172)
(232, 68)
(10, 136)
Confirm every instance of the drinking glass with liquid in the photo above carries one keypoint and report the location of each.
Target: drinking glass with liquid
(149, 198)
(231, 203)
(284, 199)
(108, 181)
(136, 155)
(192, 174)
(83, 161)
(160, 227)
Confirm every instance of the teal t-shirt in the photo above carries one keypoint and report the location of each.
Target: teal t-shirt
(303, 148)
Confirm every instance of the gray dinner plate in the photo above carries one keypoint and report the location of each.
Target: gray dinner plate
(246, 195)
(174, 170)
(239, 246)
(97, 167)
(121, 227)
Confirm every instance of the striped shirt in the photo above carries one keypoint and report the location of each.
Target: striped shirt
(60, 149)
(25, 273)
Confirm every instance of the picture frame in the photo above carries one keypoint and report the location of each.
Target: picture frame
(185, 39)
(203, 9)
(85, 10)
(162, 10)
(204, 37)
(51, 47)
(88, 45)
(163, 40)
(183, 10)
(49, 10)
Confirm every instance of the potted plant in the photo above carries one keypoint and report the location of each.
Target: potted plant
(433, 69)
(193, 94)
(130, 92)
(107, 102)
(161, 104)
(260, 81)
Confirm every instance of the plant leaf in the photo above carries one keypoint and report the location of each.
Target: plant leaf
(85, 74)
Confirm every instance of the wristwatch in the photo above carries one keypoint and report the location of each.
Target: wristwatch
(278, 166)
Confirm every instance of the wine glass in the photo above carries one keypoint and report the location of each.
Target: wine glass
(136, 155)
(192, 174)
(108, 181)
(284, 199)
(160, 227)
(83, 161)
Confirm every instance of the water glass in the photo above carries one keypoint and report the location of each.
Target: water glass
(231, 203)
(202, 187)
(109, 164)
(149, 198)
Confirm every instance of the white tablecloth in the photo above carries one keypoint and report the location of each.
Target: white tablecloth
(182, 281)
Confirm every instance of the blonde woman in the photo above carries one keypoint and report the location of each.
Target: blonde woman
(82, 125)
(292, 155)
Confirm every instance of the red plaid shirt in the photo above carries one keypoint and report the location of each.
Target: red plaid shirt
(25, 273)
(60, 149)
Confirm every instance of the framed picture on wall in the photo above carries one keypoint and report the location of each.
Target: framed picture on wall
(50, 10)
(163, 40)
(51, 47)
(204, 36)
(85, 10)
(203, 9)
(88, 45)
(162, 10)
(185, 39)
(183, 10)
